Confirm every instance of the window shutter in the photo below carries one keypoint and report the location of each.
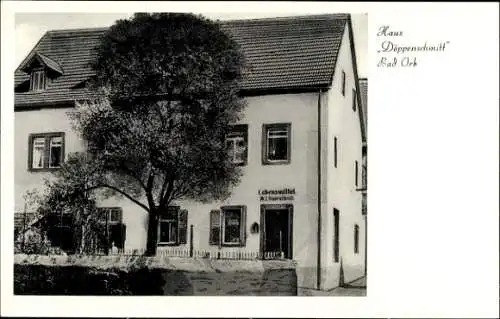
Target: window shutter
(215, 227)
(243, 226)
(182, 226)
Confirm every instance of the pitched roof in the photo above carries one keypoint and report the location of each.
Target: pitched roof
(282, 53)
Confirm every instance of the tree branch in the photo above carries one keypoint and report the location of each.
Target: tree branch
(121, 192)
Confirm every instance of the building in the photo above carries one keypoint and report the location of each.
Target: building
(363, 86)
(302, 139)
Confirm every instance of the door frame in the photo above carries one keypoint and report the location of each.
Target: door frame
(263, 209)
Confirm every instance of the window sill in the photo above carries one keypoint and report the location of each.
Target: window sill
(232, 245)
(267, 162)
(45, 169)
(168, 244)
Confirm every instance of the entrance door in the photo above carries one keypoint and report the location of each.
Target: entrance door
(276, 239)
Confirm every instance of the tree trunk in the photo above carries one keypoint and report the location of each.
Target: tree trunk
(152, 237)
(82, 240)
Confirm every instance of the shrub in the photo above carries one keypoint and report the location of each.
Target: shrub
(32, 241)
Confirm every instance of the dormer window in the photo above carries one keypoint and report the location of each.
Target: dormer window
(41, 69)
(38, 80)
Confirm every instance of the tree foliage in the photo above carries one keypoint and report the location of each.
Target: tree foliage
(168, 87)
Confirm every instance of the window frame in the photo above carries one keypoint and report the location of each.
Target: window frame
(222, 229)
(46, 152)
(239, 131)
(265, 143)
(108, 210)
(179, 240)
(175, 210)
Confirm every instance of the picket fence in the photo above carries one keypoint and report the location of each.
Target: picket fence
(208, 254)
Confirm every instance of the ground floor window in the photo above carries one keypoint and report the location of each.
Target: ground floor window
(172, 226)
(336, 234)
(113, 229)
(228, 226)
(60, 230)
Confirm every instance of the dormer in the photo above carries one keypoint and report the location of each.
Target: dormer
(41, 69)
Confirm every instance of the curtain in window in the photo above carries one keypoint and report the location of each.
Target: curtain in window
(38, 151)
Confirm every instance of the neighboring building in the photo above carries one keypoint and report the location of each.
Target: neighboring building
(363, 85)
(300, 142)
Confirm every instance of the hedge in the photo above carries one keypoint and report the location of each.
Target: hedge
(35, 275)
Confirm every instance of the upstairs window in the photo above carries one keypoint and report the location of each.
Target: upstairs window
(276, 142)
(335, 151)
(46, 151)
(354, 100)
(172, 227)
(356, 173)
(37, 80)
(237, 144)
(343, 83)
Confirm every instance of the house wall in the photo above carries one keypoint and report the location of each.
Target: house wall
(38, 121)
(301, 174)
(341, 193)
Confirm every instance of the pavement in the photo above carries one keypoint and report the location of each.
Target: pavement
(355, 288)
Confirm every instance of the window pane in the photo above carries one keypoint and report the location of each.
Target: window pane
(168, 231)
(277, 148)
(55, 152)
(116, 216)
(38, 152)
(232, 221)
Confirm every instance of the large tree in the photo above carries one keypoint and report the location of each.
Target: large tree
(168, 90)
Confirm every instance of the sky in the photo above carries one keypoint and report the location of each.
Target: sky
(30, 27)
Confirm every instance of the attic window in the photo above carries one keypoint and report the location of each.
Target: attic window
(38, 80)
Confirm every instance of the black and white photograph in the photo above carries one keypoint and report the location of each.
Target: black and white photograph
(178, 154)
(210, 159)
